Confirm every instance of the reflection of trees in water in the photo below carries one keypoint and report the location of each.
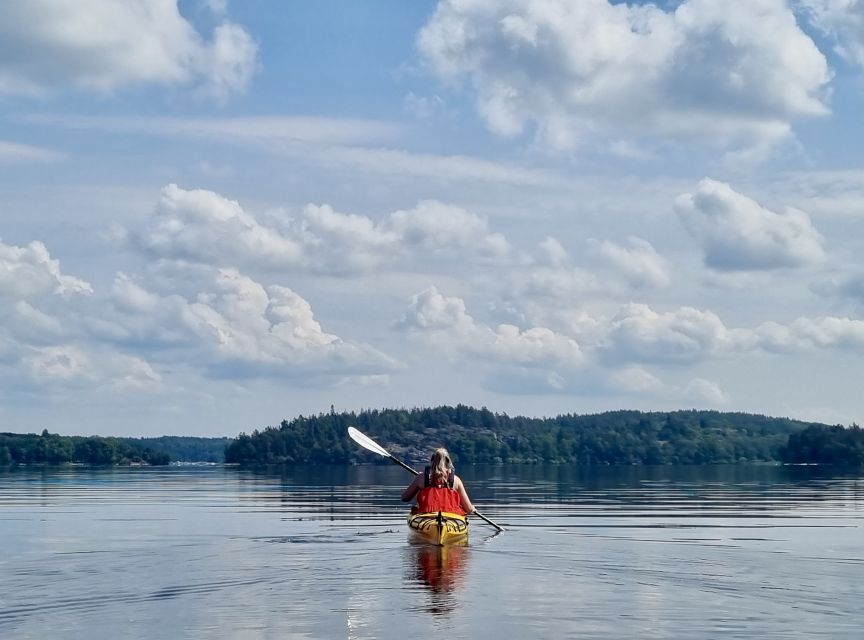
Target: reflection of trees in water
(325, 491)
(440, 571)
(721, 488)
(371, 492)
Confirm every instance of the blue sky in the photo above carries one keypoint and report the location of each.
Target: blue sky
(221, 214)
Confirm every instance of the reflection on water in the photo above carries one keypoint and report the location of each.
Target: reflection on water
(308, 552)
(441, 571)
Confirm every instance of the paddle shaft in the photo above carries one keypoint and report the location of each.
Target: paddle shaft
(404, 466)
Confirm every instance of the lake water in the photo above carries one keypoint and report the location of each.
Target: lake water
(219, 552)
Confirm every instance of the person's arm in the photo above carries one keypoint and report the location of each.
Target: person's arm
(463, 495)
(412, 489)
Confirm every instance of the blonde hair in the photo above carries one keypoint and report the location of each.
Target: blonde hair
(441, 465)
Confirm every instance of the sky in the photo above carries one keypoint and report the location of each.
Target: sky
(216, 215)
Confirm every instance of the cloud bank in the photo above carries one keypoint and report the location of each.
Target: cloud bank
(57, 332)
(203, 226)
(575, 70)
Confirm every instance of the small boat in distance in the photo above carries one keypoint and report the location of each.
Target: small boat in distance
(440, 528)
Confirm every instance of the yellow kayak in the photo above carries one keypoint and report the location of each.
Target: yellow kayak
(439, 528)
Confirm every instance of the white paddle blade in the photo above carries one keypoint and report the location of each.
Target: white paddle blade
(367, 443)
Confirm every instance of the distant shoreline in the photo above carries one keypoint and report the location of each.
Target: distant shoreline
(474, 436)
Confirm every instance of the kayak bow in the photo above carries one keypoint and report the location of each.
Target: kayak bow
(441, 528)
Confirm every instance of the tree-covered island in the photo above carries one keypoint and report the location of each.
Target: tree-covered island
(611, 438)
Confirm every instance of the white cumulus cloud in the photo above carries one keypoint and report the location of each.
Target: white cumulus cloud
(843, 20)
(30, 271)
(435, 225)
(430, 310)
(74, 366)
(104, 45)
(205, 227)
(233, 326)
(42, 343)
(686, 336)
(62, 363)
(535, 346)
(574, 70)
(805, 334)
(551, 274)
(57, 333)
(637, 261)
(637, 333)
(738, 234)
(447, 323)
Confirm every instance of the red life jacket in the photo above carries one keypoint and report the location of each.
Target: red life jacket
(439, 497)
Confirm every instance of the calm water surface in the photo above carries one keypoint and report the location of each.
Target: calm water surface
(218, 552)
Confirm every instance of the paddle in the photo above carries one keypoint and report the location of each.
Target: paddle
(368, 443)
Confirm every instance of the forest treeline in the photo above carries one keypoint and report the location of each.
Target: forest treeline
(481, 436)
(474, 436)
(822, 444)
(51, 448)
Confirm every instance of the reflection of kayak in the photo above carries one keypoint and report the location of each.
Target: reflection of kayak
(440, 570)
(439, 528)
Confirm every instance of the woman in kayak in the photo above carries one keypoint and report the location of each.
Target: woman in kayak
(438, 488)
